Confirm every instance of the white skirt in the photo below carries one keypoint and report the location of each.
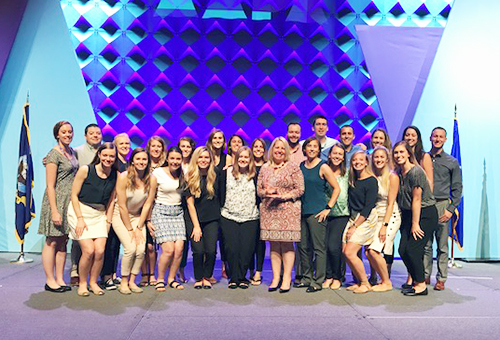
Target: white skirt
(365, 232)
(94, 219)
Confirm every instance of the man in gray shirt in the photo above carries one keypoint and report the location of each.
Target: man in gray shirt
(85, 154)
(448, 192)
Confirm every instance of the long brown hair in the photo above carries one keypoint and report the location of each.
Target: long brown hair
(251, 166)
(163, 155)
(387, 139)
(103, 146)
(193, 177)
(132, 174)
(210, 139)
(264, 156)
(343, 166)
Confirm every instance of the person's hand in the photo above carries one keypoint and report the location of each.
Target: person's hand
(416, 231)
(196, 234)
(56, 218)
(44, 161)
(362, 146)
(382, 234)
(321, 216)
(445, 217)
(137, 236)
(350, 231)
(80, 227)
(151, 228)
(270, 192)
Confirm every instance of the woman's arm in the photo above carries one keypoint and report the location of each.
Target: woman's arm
(51, 179)
(429, 171)
(196, 235)
(75, 191)
(416, 205)
(297, 190)
(326, 172)
(110, 209)
(261, 192)
(121, 194)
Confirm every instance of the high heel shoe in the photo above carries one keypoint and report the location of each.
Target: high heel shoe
(283, 291)
(273, 289)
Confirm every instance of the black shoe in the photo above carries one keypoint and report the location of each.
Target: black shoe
(54, 290)
(232, 285)
(283, 291)
(373, 280)
(198, 287)
(272, 289)
(413, 293)
(109, 285)
(313, 289)
(66, 288)
(243, 285)
(406, 286)
(301, 285)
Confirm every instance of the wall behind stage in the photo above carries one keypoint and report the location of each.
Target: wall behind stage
(465, 72)
(42, 61)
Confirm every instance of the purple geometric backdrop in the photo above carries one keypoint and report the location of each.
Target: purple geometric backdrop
(181, 67)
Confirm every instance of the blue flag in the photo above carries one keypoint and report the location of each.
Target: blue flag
(25, 205)
(457, 225)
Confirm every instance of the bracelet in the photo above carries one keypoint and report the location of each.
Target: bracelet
(328, 207)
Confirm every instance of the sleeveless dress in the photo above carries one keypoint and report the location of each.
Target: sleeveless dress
(66, 171)
(394, 222)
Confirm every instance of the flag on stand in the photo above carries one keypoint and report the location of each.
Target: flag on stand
(25, 205)
(457, 225)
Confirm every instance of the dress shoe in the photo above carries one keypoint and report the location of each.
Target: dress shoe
(413, 293)
(272, 289)
(439, 285)
(54, 290)
(427, 280)
(301, 285)
(283, 291)
(313, 289)
(66, 288)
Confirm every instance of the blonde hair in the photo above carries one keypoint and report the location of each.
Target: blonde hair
(163, 156)
(193, 177)
(383, 174)
(251, 166)
(271, 150)
(121, 135)
(353, 174)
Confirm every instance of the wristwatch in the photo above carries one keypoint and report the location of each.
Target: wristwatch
(328, 207)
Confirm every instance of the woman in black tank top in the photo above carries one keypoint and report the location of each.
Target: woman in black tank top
(90, 197)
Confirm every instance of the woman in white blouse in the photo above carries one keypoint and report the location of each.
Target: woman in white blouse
(239, 215)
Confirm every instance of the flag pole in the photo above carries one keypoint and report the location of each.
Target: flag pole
(21, 259)
(451, 262)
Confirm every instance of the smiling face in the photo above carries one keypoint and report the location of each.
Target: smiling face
(65, 134)
(186, 148)
(293, 133)
(320, 127)
(359, 162)
(93, 135)
(218, 141)
(140, 161)
(346, 135)
(204, 160)
(258, 149)
(411, 137)
(438, 138)
(155, 149)
(235, 144)
(174, 160)
(123, 145)
(312, 149)
(107, 157)
(378, 138)
(244, 161)
(279, 152)
(400, 155)
(337, 155)
(380, 159)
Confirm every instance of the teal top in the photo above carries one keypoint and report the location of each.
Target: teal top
(314, 199)
(341, 207)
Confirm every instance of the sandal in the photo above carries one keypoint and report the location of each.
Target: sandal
(243, 285)
(198, 285)
(232, 285)
(152, 282)
(144, 280)
(176, 285)
(254, 282)
(160, 286)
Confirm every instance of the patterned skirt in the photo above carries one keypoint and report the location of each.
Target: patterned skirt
(168, 221)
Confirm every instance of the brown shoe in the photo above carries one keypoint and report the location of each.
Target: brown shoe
(74, 281)
(439, 285)
(428, 281)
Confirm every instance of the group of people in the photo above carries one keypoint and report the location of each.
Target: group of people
(318, 202)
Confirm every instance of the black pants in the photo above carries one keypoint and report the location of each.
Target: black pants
(257, 262)
(205, 250)
(411, 250)
(185, 250)
(334, 231)
(111, 254)
(239, 240)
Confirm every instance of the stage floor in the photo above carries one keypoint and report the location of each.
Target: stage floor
(469, 308)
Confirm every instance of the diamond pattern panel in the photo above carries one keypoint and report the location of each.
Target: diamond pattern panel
(164, 67)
